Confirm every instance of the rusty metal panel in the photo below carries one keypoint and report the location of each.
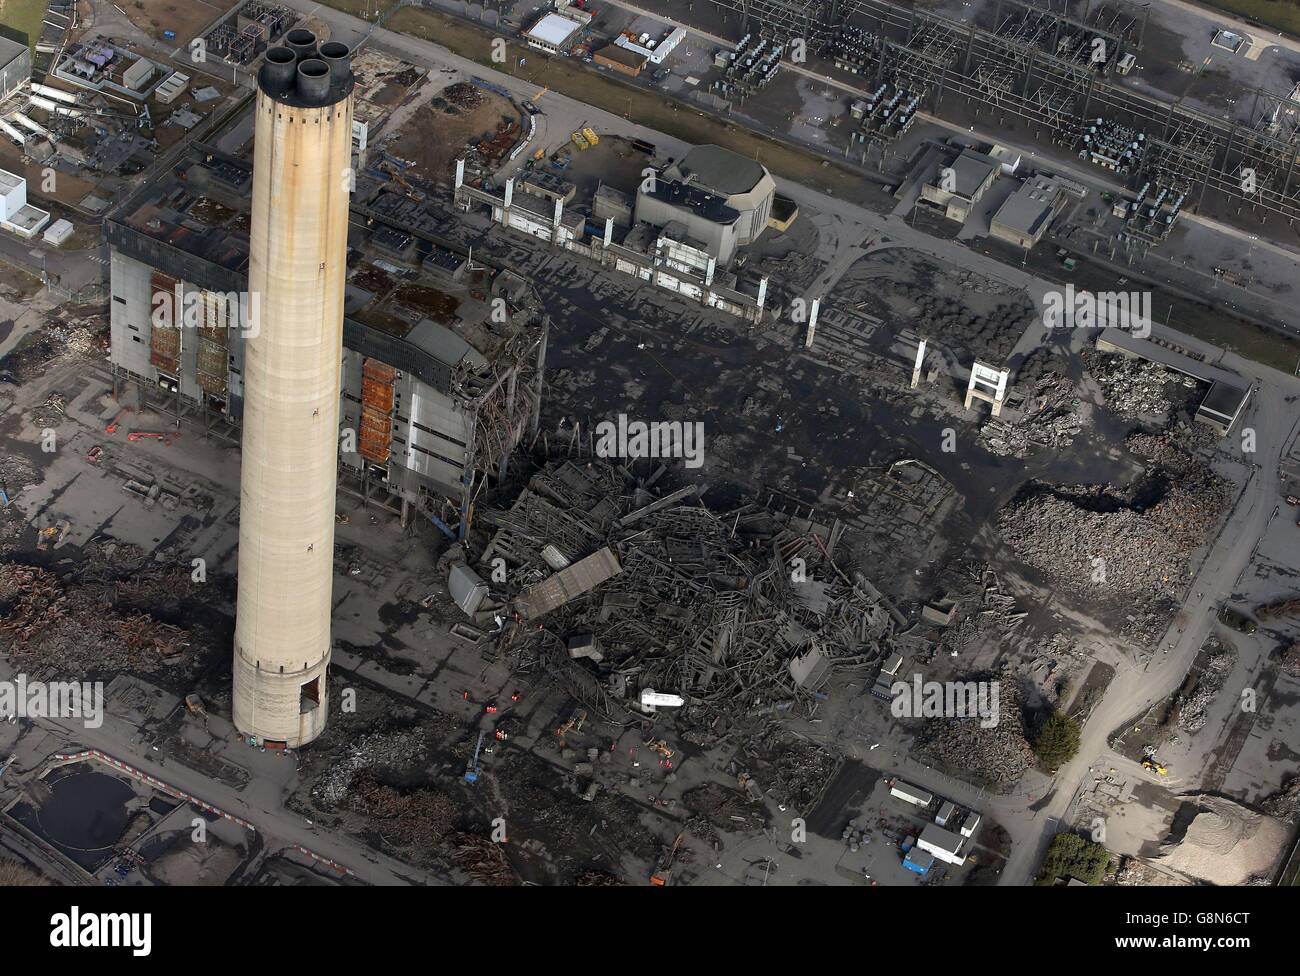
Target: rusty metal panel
(213, 366)
(377, 396)
(165, 349)
(376, 437)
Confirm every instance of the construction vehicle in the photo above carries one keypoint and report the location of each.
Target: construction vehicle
(116, 421)
(574, 724)
(590, 135)
(580, 140)
(1293, 499)
(664, 872)
(660, 746)
(398, 182)
(1151, 762)
(473, 768)
(166, 436)
(194, 705)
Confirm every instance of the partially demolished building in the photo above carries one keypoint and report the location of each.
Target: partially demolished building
(442, 359)
(613, 589)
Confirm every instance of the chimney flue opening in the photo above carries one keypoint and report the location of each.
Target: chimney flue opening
(313, 81)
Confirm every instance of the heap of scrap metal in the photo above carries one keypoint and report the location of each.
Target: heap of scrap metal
(624, 596)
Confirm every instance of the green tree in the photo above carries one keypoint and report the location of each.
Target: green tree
(1073, 856)
(1057, 741)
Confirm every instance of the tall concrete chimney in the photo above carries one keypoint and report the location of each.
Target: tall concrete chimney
(301, 183)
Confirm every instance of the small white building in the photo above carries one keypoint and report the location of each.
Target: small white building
(16, 214)
(58, 232)
(171, 88)
(552, 33)
(911, 794)
(943, 844)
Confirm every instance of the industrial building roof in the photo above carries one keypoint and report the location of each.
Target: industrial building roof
(553, 29)
(972, 169)
(1026, 209)
(194, 224)
(9, 50)
(614, 52)
(721, 170)
(710, 206)
(935, 837)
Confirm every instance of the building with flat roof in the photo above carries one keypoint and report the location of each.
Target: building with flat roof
(15, 66)
(721, 198)
(943, 844)
(1024, 216)
(16, 215)
(918, 861)
(553, 33)
(959, 186)
(620, 59)
(911, 794)
(1228, 392)
(435, 392)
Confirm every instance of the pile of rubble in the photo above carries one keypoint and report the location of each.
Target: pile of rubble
(419, 819)
(51, 629)
(483, 859)
(462, 95)
(1050, 418)
(1220, 660)
(614, 590)
(50, 413)
(979, 606)
(1132, 387)
(998, 755)
(1285, 806)
(391, 750)
(1094, 537)
(1289, 660)
(789, 769)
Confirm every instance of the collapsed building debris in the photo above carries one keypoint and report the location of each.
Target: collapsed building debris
(1049, 418)
(1138, 539)
(418, 819)
(996, 753)
(739, 609)
(1192, 707)
(92, 623)
(1285, 805)
(375, 749)
(1133, 388)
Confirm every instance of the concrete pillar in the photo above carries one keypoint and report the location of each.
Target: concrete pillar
(812, 323)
